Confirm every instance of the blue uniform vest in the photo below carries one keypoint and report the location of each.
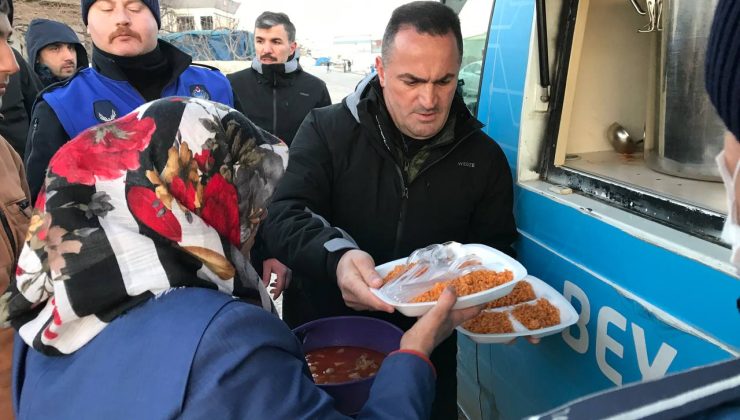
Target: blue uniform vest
(90, 98)
(156, 364)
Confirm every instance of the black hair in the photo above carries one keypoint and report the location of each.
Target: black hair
(427, 17)
(269, 19)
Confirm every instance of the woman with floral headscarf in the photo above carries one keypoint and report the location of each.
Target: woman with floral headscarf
(133, 298)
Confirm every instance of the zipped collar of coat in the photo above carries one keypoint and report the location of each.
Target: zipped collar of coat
(277, 75)
(291, 66)
(178, 60)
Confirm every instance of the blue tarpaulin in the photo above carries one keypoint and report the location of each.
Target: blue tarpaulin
(220, 45)
(322, 61)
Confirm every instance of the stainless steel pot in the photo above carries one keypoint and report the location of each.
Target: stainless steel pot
(683, 131)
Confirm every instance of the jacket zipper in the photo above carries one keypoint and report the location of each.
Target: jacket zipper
(402, 213)
(9, 234)
(404, 186)
(404, 194)
(33, 135)
(274, 108)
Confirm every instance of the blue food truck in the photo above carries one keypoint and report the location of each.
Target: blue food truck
(600, 108)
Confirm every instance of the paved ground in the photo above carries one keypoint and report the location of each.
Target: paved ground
(339, 84)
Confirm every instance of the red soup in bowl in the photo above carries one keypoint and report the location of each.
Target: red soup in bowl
(337, 364)
(348, 345)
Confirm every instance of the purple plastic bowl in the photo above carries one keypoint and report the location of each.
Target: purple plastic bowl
(356, 331)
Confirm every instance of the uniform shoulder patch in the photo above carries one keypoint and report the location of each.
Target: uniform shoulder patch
(199, 91)
(105, 111)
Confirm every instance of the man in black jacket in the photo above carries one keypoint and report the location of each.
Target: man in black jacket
(20, 93)
(17, 104)
(398, 165)
(54, 50)
(275, 92)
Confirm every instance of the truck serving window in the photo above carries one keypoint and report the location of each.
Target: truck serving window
(630, 121)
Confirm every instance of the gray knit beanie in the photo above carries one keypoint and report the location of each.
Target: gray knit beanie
(153, 5)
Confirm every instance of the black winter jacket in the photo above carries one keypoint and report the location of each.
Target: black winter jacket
(277, 97)
(343, 184)
(17, 104)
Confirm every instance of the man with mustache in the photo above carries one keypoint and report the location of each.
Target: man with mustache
(398, 165)
(275, 92)
(130, 66)
(14, 208)
(54, 50)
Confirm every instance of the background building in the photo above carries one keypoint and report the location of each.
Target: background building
(199, 15)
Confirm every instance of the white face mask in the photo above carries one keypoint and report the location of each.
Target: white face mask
(731, 231)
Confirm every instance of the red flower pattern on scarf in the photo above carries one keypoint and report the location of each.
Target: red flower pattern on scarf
(221, 208)
(185, 194)
(205, 160)
(160, 219)
(116, 146)
(41, 200)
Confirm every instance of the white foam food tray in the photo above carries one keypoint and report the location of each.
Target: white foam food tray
(568, 316)
(491, 258)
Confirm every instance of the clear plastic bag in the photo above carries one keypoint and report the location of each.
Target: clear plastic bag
(433, 264)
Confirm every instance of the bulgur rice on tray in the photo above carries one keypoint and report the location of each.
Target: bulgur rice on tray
(490, 323)
(522, 292)
(473, 282)
(536, 316)
(397, 272)
(533, 317)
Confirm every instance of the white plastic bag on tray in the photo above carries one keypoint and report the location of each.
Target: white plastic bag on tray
(433, 264)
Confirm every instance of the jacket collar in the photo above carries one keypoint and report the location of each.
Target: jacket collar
(290, 66)
(178, 61)
(45, 75)
(280, 74)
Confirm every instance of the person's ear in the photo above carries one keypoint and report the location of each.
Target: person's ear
(380, 69)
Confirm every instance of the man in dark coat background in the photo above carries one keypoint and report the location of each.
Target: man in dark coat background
(17, 104)
(54, 50)
(275, 92)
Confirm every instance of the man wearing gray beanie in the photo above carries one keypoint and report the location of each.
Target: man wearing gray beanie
(130, 66)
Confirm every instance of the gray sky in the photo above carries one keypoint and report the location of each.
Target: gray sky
(318, 21)
(321, 20)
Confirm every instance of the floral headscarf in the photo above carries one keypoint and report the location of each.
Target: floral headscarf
(170, 195)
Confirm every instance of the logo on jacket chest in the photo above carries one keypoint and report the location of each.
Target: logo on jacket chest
(466, 164)
(105, 111)
(200, 92)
